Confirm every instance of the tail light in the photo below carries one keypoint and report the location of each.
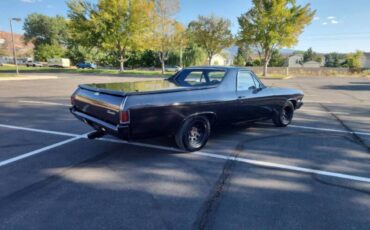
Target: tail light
(73, 99)
(124, 116)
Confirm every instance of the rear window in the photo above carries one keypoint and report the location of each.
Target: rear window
(199, 77)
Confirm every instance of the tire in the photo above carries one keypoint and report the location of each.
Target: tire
(284, 116)
(193, 134)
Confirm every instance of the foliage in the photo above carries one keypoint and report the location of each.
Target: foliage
(41, 29)
(277, 60)
(334, 60)
(354, 60)
(78, 53)
(243, 55)
(46, 51)
(165, 29)
(310, 55)
(271, 25)
(212, 34)
(117, 26)
(194, 55)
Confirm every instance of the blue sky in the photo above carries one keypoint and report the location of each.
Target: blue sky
(339, 25)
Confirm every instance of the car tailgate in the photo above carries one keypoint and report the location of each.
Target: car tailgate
(103, 106)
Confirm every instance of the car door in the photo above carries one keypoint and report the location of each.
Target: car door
(251, 98)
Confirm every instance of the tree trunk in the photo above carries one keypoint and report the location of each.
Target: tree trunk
(181, 65)
(210, 60)
(265, 68)
(122, 62)
(163, 69)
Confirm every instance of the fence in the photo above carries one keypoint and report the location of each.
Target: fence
(304, 71)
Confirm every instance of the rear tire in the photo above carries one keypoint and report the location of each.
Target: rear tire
(193, 134)
(284, 116)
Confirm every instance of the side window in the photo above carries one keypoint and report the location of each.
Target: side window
(245, 81)
(216, 76)
(257, 82)
(195, 78)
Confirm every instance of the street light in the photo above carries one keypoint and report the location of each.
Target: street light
(11, 30)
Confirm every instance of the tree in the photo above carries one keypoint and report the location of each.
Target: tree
(165, 29)
(41, 29)
(212, 34)
(277, 60)
(46, 51)
(354, 60)
(334, 59)
(194, 55)
(310, 55)
(273, 24)
(117, 26)
(243, 55)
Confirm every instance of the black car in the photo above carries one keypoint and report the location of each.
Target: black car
(185, 105)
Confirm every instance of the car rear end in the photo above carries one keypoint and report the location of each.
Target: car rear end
(104, 111)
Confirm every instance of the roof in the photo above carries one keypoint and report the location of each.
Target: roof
(216, 67)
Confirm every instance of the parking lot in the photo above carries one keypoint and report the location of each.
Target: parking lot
(314, 174)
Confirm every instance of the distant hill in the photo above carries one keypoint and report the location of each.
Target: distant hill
(6, 47)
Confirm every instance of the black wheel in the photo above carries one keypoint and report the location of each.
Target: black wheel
(284, 116)
(193, 134)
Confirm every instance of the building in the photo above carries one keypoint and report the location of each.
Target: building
(311, 64)
(223, 59)
(365, 60)
(296, 60)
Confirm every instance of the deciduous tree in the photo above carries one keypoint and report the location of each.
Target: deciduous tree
(273, 24)
(165, 29)
(117, 26)
(211, 33)
(42, 29)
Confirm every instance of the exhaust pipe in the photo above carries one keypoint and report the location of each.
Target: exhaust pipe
(95, 134)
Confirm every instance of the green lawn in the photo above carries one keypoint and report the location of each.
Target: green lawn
(24, 69)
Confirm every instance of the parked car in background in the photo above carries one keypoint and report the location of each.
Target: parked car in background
(59, 62)
(34, 64)
(172, 68)
(184, 106)
(86, 65)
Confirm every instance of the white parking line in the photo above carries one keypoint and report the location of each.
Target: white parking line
(328, 130)
(238, 159)
(39, 130)
(29, 154)
(45, 103)
(321, 111)
(287, 167)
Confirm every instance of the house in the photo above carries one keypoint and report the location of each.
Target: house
(223, 59)
(294, 60)
(365, 60)
(311, 64)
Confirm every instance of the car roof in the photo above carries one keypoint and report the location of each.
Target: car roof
(225, 68)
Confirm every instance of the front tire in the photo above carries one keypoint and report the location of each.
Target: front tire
(283, 117)
(193, 134)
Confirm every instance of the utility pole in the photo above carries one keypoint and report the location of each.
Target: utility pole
(14, 53)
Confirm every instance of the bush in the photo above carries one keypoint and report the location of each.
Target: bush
(45, 51)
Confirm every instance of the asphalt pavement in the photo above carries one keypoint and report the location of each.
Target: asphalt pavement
(314, 174)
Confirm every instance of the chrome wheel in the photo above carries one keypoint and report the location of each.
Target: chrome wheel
(196, 134)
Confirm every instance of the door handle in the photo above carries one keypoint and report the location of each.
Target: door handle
(241, 97)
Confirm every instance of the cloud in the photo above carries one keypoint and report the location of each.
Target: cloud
(333, 21)
(31, 1)
(324, 23)
(331, 17)
(316, 18)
